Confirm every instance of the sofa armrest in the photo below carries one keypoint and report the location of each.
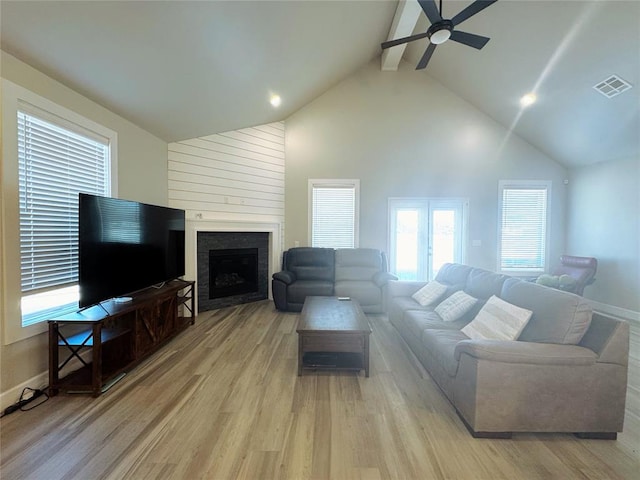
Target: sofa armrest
(285, 276)
(525, 352)
(382, 278)
(403, 288)
(609, 338)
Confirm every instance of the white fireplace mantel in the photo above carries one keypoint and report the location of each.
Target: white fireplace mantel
(193, 226)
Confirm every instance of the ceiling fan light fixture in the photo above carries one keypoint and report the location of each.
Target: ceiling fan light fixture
(443, 29)
(440, 32)
(440, 36)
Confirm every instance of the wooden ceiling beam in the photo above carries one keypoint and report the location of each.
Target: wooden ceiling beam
(403, 24)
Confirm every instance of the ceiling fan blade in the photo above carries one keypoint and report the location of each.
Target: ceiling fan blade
(430, 9)
(471, 10)
(475, 41)
(426, 57)
(400, 41)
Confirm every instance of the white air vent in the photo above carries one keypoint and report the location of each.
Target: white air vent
(612, 86)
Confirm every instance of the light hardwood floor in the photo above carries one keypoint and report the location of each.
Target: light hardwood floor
(223, 401)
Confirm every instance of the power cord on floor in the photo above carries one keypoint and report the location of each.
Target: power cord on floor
(27, 396)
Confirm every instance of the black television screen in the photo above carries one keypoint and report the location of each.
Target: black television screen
(126, 246)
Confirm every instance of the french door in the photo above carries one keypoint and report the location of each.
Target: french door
(425, 233)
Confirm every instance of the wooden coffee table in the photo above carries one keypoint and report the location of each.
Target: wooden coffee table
(333, 334)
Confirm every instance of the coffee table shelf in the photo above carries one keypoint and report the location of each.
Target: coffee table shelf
(333, 361)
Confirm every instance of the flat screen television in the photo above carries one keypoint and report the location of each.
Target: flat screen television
(126, 246)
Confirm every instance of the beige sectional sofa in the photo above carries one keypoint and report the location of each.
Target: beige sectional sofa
(566, 372)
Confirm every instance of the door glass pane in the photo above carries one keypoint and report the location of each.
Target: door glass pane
(443, 240)
(406, 242)
(425, 234)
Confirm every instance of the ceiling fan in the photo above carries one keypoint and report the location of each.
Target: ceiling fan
(442, 29)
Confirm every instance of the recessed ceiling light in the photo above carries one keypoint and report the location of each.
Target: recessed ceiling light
(275, 100)
(528, 99)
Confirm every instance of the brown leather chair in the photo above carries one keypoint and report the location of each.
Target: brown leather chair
(581, 269)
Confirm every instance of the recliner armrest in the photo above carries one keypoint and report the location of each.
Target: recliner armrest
(285, 277)
(506, 351)
(381, 278)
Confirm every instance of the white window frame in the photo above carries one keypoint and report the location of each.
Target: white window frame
(336, 183)
(14, 98)
(525, 185)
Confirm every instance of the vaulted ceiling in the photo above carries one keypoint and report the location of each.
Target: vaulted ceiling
(184, 69)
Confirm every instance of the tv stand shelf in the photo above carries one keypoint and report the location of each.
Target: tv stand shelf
(85, 338)
(118, 336)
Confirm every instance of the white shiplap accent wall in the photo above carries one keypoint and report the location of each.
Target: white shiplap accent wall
(237, 176)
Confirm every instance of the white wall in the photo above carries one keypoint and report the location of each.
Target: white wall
(403, 134)
(604, 222)
(142, 176)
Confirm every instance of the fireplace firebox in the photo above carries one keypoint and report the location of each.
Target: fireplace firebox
(233, 272)
(232, 268)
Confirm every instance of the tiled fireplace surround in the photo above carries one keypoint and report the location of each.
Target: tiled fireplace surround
(196, 226)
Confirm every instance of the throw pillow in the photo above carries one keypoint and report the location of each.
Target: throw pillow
(454, 307)
(428, 294)
(498, 320)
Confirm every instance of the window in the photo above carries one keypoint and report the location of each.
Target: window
(523, 226)
(46, 153)
(333, 211)
(55, 163)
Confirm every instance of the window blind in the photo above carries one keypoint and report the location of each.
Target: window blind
(523, 229)
(333, 216)
(54, 165)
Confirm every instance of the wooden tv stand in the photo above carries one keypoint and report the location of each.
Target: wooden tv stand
(119, 335)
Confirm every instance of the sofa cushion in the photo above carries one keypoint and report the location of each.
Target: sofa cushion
(453, 274)
(558, 317)
(483, 284)
(398, 305)
(441, 345)
(298, 291)
(357, 264)
(309, 263)
(417, 321)
(366, 293)
(498, 320)
(454, 307)
(430, 293)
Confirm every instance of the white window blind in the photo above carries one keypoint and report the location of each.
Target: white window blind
(523, 228)
(55, 164)
(334, 215)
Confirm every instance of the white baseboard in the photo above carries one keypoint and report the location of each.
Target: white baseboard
(618, 312)
(39, 381)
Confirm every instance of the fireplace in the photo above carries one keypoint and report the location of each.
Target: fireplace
(232, 268)
(233, 271)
